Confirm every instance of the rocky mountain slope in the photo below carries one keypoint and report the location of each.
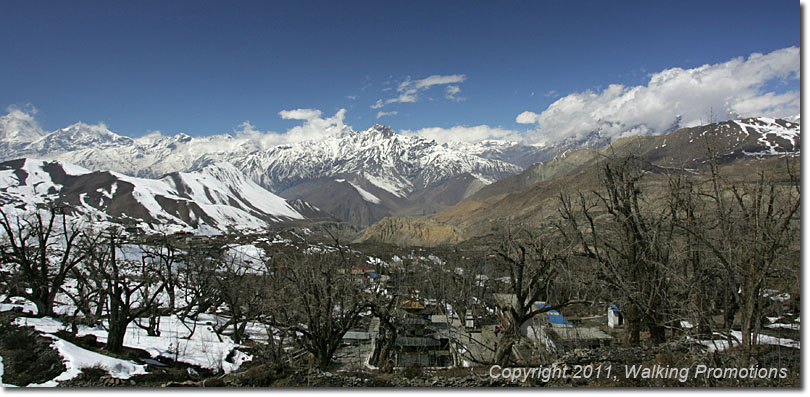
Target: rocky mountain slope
(683, 148)
(531, 197)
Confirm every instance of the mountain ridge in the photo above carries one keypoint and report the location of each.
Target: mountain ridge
(216, 198)
(532, 196)
(407, 167)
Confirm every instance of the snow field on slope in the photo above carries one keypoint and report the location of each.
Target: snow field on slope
(36, 187)
(365, 194)
(770, 127)
(253, 194)
(217, 204)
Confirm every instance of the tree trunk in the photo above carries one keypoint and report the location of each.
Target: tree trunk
(43, 310)
(503, 354)
(154, 324)
(747, 321)
(115, 337)
(633, 325)
(237, 337)
(382, 351)
(657, 333)
(172, 298)
(323, 358)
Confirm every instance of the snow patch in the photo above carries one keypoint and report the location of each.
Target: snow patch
(365, 194)
(77, 358)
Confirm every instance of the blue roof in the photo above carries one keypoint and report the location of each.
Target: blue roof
(554, 317)
(615, 308)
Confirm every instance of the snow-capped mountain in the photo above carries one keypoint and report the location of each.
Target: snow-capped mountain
(17, 130)
(683, 148)
(390, 173)
(397, 164)
(526, 155)
(357, 176)
(362, 176)
(218, 197)
(741, 148)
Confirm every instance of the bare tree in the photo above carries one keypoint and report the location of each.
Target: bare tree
(132, 287)
(384, 306)
(42, 247)
(631, 241)
(197, 283)
(316, 299)
(751, 236)
(533, 265)
(166, 257)
(242, 290)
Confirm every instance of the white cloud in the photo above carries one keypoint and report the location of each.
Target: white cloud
(314, 127)
(430, 81)
(300, 114)
(19, 124)
(674, 98)
(452, 91)
(465, 134)
(408, 96)
(409, 89)
(527, 117)
(28, 110)
(383, 114)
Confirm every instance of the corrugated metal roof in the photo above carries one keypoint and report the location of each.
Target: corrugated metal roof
(358, 335)
(416, 341)
(554, 317)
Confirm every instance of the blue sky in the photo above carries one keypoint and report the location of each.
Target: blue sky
(204, 67)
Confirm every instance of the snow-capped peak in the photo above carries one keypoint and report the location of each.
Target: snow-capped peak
(18, 127)
(77, 137)
(384, 130)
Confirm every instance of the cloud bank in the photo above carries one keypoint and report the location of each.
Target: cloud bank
(674, 98)
(465, 134)
(314, 127)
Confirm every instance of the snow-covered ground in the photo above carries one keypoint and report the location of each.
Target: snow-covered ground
(721, 343)
(77, 358)
(190, 342)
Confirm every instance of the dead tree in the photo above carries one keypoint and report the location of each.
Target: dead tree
(197, 282)
(166, 257)
(241, 289)
(130, 285)
(42, 247)
(533, 266)
(699, 275)
(630, 239)
(316, 299)
(384, 307)
(752, 236)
